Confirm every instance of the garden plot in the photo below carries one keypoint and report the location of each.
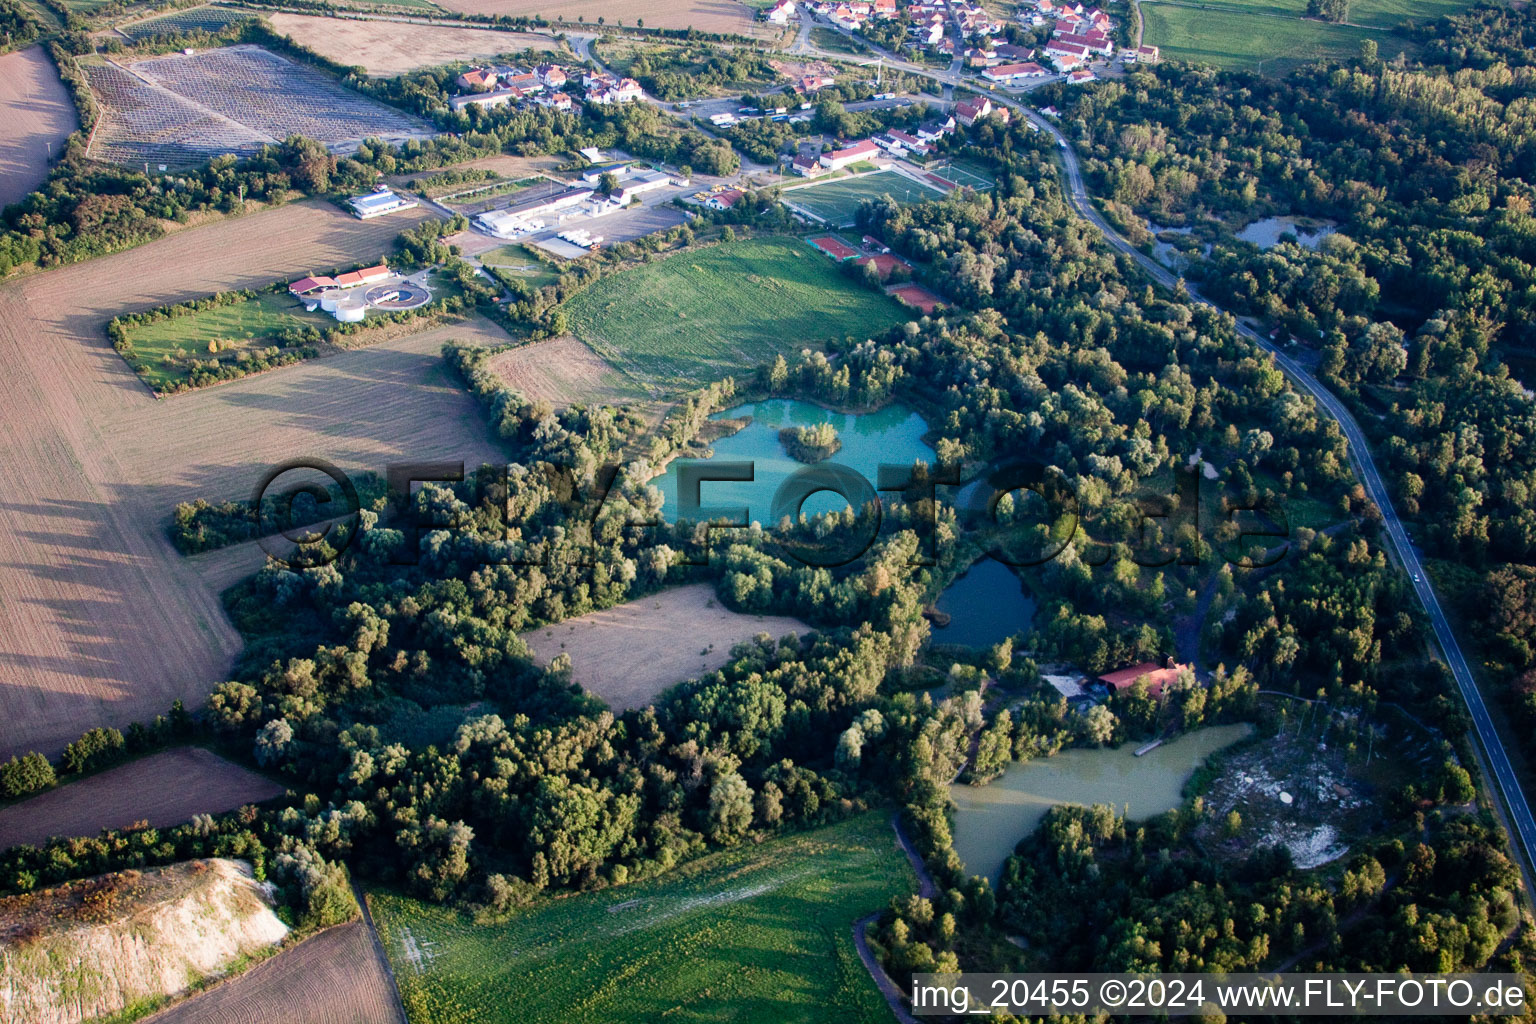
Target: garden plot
(182, 109)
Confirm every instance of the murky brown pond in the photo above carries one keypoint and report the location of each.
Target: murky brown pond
(992, 819)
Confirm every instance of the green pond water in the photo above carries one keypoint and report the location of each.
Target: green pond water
(892, 436)
(992, 819)
(986, 606)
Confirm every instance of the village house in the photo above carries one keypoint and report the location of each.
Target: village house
(1080, 77)
(805, 165)
(968, 113)
(1158, 677)
(555, 101)
(1068, 55)
(1091, 42)
(552, 76)
(477, 80)
(885, 8)
(724, 200)
(1144, 55)
(780, 13)
(625, 90)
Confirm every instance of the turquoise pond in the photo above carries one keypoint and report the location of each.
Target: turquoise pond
(892, 436)
(986, 606)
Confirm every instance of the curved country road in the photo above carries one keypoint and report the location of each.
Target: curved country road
(1496, 760)
(1492, 758)
(894, 996)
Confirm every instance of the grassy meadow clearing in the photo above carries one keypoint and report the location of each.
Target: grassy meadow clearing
(699, 316)
(755, 933)
(1275, 36)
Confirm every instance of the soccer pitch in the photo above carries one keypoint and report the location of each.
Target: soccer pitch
(837, 202)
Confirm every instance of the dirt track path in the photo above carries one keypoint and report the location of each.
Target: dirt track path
(100, 621)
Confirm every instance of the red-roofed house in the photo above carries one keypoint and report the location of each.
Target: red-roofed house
(834, 247)
(552, 75)
(968, 113)
(1013, 72)
(724, 200)
(840, 158)
(1095, 42)
(368, 275)
(305, 285)
(1081, 76)
(477, 80)
(1157, 676)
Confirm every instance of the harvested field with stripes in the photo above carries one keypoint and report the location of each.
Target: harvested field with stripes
(332, 978)
(392, 48)
(155, 789)
(180, 110)
(101, 621)
(705, 15)
(38, 115)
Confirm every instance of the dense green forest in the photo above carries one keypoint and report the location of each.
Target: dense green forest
(1420, 309)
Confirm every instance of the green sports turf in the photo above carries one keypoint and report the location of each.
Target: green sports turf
(837, 201)
(701, 315)
(759, 933)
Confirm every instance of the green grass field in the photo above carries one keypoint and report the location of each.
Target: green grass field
(831, 39)
(837, 200)
(249, 325)
(1273, 37)
(758, 933)
(517, 260)
(696, 317)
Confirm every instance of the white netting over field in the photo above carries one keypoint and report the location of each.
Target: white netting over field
(183, 109)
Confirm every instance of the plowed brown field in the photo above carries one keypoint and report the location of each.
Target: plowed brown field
(704, 15)
(101, 622)
(392, 48)
(163, 789)
(36, 112)
(332, 978)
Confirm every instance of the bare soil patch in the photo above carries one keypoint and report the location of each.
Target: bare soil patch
(387, 48)
(704, 15)
(331, 978)
(101, 622)
(37, 112)
(630, 653)
(163, 789)
(565, 371)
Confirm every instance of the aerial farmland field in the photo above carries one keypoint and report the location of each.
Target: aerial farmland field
(100, 622)
(729, 16)
(182, 109)
(758, 933)
(1275, 37)
(630, 653)
(151, 789)
(837, 201)
(392, 48)
(698, 316)
(38, 117)
(331, 978)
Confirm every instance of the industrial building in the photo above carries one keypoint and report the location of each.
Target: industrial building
(379, 202)
(529, 215)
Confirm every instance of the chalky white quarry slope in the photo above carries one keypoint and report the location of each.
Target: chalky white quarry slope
(91, 948)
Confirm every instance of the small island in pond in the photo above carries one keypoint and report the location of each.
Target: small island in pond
(810, 444)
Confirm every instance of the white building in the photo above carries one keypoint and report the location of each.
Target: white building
(379, 202)
(529, 216)
(781, 12)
